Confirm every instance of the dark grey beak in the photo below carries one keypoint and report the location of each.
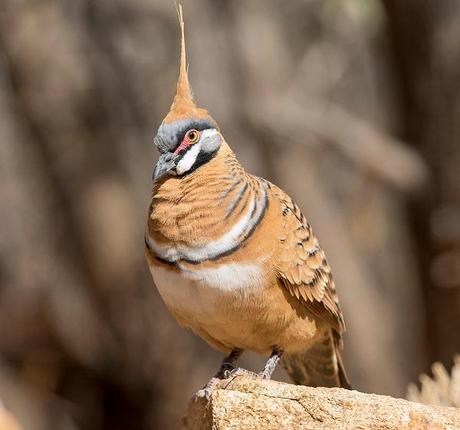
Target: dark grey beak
(165, 164)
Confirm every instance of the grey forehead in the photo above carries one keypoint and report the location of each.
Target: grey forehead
(170, 135)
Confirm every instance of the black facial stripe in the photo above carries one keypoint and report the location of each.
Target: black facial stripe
(202, 158)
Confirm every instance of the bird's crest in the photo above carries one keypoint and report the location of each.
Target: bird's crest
(183, 105)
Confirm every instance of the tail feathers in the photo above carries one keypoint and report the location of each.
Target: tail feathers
(319, 366)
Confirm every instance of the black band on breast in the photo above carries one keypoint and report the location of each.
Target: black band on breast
(236, 201)
(155, 256)
(227, 252)
(231, 188)
(243, 240)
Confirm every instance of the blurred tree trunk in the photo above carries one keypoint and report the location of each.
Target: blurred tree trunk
(304, 95)
(426, 39)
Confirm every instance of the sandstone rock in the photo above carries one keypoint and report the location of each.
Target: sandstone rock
(245, 403)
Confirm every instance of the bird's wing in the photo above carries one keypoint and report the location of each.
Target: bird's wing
(302, 266)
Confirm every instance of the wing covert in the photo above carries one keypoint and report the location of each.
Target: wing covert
(303, 267)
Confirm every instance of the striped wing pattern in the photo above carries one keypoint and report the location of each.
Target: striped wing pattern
(303, 267)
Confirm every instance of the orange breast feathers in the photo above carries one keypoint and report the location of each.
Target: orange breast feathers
(207, 214)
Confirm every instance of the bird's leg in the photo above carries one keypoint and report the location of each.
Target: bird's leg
(228, 369)
(229, 363)
(227, 366)
(271, 364)
(269, 368)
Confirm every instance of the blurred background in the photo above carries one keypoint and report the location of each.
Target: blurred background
(352, 106)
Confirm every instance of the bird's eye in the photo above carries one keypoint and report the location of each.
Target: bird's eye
(193, 136)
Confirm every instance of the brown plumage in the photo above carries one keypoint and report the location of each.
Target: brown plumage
(183, 105)
(234, 258)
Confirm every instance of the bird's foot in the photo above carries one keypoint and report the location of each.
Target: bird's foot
(206, 391)
(243, 372)
(239, 371)
(230, 372)
(224, 372)
(264, 375)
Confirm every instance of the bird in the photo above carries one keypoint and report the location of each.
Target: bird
(234, 258)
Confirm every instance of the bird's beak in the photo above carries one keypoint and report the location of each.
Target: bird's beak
(165, 164)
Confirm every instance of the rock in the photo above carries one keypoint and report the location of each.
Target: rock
(245, 403)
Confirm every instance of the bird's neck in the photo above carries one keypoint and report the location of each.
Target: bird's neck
(188, 207)
(221, 170)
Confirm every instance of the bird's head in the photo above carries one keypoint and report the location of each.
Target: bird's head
(188, 137)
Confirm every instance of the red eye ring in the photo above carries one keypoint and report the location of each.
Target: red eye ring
(192, 136)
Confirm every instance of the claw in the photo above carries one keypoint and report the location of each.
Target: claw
(239, 371)
(227, 369)
(263, 375)
(207, 390)
(204, 393)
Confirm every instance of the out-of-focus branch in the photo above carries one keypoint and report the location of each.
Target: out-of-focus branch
(7, 421)
(369, 149)
(32, 408)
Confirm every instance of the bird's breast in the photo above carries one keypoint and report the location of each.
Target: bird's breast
(234, 306)
(221, 304)
(200, 292)
(212, 246)
(206, 226)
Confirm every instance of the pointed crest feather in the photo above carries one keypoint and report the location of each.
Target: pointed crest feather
(183, 105)
(183, 86)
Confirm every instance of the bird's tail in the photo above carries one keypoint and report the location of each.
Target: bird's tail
(319, 366)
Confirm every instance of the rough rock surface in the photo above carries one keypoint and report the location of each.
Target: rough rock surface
(247, 403)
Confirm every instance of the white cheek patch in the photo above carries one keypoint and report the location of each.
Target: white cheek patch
(207, 134)
(188, 160)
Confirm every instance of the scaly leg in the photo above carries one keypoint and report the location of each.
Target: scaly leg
(227, 366)
(271, 364)
(269, 368)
